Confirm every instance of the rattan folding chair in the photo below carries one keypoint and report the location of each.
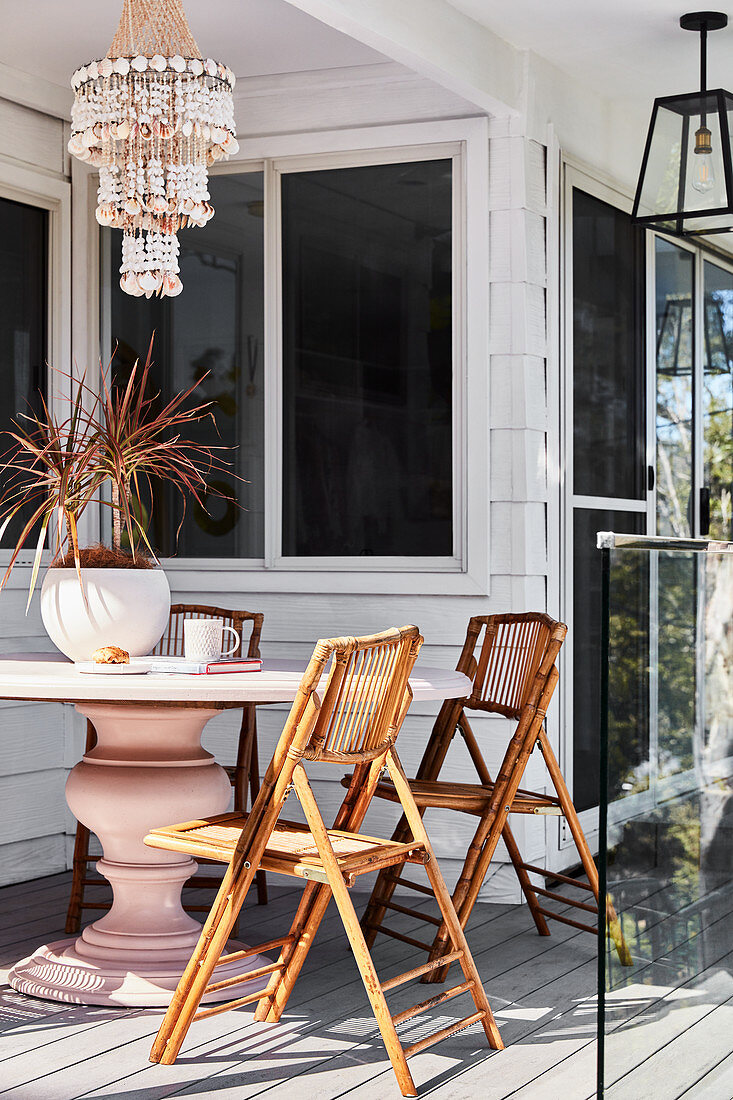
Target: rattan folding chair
(245, 772)
(353, 715)
(513, 675)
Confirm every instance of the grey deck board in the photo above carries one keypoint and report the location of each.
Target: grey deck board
(327, 1044)
(715, 1085)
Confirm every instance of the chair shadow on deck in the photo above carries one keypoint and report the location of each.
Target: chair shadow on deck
(360, 1062)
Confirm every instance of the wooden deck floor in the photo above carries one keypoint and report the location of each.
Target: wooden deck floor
(668, 1023)
(327, 1045)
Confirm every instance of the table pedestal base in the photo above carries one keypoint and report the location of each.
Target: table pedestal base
(148, 768)
(126, 958)
(58, 972)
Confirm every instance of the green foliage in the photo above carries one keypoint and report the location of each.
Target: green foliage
(120, 436)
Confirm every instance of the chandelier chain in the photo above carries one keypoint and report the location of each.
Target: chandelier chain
(149, 27)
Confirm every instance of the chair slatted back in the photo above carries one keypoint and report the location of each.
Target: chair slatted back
(515, 658)
(362, 701)
(171, 644)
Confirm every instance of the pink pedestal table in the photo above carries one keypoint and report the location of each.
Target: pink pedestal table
(148, 768)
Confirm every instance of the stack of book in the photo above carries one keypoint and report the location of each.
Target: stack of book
(184, 666)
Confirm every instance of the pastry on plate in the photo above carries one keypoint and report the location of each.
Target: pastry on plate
(111, 655)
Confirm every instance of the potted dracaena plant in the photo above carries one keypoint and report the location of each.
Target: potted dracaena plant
(109, 447)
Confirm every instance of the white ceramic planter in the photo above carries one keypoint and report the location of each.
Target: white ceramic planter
(125, 607)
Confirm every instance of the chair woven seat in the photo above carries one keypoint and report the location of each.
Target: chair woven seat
(291, 847)
(473, 798)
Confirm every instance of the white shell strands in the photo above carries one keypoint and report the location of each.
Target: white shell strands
(152, 116)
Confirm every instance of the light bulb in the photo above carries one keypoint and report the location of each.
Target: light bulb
(701, 176)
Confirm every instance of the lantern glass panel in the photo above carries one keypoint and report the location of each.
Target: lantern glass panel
(704, 169)
(672, 167)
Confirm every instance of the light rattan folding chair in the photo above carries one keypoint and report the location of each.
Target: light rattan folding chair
(244, 773)
(351, 715)
(513, 675)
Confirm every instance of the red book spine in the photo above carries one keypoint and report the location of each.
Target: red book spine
(233, 666)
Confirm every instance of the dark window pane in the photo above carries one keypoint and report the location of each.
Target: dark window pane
(23, 316)
(367, 361)
(215, 325)
(628, 687)
(608, 386)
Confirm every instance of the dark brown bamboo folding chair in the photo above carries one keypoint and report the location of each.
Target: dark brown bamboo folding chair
(351, 715)
(245, 772)
(514, 675)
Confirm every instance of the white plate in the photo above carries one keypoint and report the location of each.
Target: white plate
(135, 668)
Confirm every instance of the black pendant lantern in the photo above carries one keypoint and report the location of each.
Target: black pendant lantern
(686, 181)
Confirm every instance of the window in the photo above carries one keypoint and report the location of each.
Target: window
(694, 387)
(367, 361)
(327, 301)
(24, 315)
(213, 331)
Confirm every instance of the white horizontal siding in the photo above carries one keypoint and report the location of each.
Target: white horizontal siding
(34, 858)
(33, 771)
(32, 137)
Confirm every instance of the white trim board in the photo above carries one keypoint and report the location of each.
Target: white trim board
(33, 91)
(435, 39)
(327, 99)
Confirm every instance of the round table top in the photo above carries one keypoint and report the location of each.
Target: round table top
(50, 677)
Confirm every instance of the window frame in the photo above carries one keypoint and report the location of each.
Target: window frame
(466, 571)
(53, 194)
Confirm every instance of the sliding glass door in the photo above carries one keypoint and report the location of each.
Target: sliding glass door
(606, 468)
(648, 416)
(694, 462)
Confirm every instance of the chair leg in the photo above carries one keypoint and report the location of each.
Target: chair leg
(353, 930)
(81, 857)
(254, 790)
(466, 891)
(384, 888)
(196, 976)
(586, 858)
(458, 940)
(451, 923)
(78, 874)
(247, 773)
(308, 917)
(373, 988)
(524, 881)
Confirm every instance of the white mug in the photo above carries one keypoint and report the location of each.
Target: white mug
(202, 639)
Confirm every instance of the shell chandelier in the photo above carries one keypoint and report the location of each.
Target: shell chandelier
(152, 116)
